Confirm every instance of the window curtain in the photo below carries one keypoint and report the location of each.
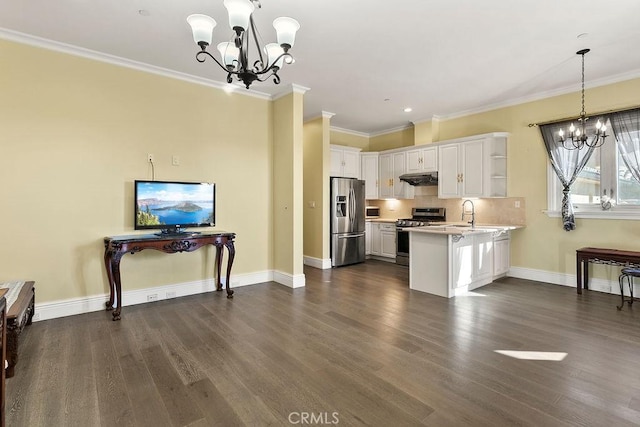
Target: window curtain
(567, 165)
(626, 128)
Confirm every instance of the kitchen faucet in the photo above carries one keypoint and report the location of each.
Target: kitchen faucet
(473, 213)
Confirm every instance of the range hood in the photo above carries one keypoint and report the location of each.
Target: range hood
(421, 178)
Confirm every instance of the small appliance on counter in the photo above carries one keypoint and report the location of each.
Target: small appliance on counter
(347, 221)
(371, 212)
(420, 217)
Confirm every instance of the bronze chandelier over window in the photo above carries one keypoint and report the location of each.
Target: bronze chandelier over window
(578, 137)
(235, 53)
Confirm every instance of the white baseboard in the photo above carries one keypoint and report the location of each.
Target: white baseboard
(289, 280)
(322, 264)
(563, 279)
(70, 307)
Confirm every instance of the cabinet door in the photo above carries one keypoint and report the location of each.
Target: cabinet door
(369, 172)
(401, 190)
(386, 175)
(501, 257)
(388, 243)
(375, 239)
(414, 161)
(336, 162)
(448, 172)
(367, 238)
(483, 256)
(472, 168)
(351, 164)
(430, 159)
(462, 262)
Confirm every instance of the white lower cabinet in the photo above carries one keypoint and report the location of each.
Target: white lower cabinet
(367, 238)
(383, 240)
(501, 254)
(471, 261)
(388, 241)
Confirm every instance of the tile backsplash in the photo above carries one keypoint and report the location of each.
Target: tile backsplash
(488, 211)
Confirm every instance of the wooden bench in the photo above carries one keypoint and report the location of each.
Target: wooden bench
(19, 314)
(584, 256)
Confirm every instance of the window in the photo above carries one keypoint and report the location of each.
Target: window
(606, 186)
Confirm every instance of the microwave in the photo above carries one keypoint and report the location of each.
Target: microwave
(372, 212)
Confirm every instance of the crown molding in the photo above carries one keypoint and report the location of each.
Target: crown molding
(618, 78)
(350, 132)
(39, 42)
(392, 130)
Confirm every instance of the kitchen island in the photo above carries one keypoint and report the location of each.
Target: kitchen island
(452, 260)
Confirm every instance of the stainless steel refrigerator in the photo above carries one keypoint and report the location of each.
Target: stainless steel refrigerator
(347, 221)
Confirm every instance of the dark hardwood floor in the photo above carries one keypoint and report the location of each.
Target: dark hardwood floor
(355, 347)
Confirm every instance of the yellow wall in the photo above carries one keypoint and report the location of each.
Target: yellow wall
(316, 187)
(349, 139)
(388, 141)
(543, 244)
(287, 184)
(74, 136)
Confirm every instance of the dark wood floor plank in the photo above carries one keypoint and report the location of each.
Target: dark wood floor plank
(175, 395)
(355, 341)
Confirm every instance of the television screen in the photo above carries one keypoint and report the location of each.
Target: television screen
(171, 206)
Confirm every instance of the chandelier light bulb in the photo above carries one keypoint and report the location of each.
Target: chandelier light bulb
(572, 128)
(239, 13)
(229, 53)
(274, 50)
(286, 29)
(561, 133)
(202, 28)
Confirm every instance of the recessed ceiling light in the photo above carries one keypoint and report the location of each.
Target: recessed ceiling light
(144, 12)
(408, 110)
(582, 35)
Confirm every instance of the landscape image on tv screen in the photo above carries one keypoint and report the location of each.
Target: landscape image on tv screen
(168, 204)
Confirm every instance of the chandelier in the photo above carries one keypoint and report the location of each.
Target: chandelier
(578, 137)
(234, 54)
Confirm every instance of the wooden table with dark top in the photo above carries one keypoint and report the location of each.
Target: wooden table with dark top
(116, 246)
(584, 256)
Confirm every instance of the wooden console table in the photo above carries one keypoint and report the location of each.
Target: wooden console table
(584, 256)
(116, 246)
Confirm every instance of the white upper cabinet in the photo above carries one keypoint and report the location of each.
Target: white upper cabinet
(369, 173)
(422, 160)
(345, 161)
(401, 190)
(392, 165)
(473, 167)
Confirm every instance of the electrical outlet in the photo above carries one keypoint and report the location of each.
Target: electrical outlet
(152, 297)
(175, 160)
(150, 158)
(517, 203)
(171, 294)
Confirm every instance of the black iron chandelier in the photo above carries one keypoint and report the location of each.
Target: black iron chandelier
(235, 53)
(578, 137)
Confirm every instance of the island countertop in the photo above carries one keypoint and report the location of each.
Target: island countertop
(462, 229)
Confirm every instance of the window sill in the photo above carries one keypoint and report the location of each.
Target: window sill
(598, 214)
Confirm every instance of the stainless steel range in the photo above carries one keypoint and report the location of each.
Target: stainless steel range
(420, 217)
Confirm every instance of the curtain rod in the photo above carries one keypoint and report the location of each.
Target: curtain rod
(577, 117)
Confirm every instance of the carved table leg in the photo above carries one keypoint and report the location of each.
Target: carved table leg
(218, 267)
(107, 264)
(232, 254)
(115, 266)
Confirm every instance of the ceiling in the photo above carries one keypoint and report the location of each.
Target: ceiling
(365, 61)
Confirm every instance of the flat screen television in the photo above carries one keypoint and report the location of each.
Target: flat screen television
(172, 206)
